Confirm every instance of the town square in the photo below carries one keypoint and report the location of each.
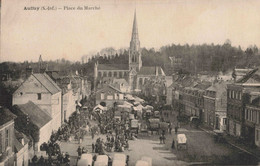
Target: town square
(129, 83)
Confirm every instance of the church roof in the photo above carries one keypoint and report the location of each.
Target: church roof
(113, 67)
(151, 70)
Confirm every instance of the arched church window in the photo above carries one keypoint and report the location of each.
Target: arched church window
(120, 74)
(110, 74)
(115, 74)
(105, 74)
(140, 81)
(99, 74)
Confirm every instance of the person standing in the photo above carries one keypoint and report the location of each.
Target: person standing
(170, 128)
(173, 144)
(79, 151)
(163, 138)
(93, 148)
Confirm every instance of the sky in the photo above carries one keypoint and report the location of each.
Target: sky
(70, 34)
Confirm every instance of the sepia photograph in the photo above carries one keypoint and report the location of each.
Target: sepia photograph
(129, 82)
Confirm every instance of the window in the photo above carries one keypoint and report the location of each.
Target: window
(110, 74)
(258, 117)
(230, 94)
(6, 138)
(236, 95)
(224, 121)
(257, 135)
(140, 81)
(1, 142)
(115, 74)
(102, 96)
(240, 96)
(99, 74)
(116, 96)
(246, 115)
(39, 96)
(120, 74)
(104, 74)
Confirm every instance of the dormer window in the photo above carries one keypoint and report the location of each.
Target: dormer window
(39, 96)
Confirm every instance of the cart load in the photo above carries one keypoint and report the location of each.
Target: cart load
(134, 123)
(164, 126)
(88, 157)
(102, 159)
(131, 116)
(118, 163)
(141, 163)
(153, 123)
(119, 160)
(83, 162)
(147, 159)
(181, 141)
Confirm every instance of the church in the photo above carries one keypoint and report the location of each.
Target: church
(134, 73)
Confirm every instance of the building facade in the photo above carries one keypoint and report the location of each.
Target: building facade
(45, 93)
(109, 95)
(237, 99)
(37, 117)
(215, 106)
(6, 137)
(252, 119)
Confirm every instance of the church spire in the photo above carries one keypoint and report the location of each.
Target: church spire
(135, 43)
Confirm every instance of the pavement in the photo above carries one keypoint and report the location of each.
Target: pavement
(254, 151)
(137, 149)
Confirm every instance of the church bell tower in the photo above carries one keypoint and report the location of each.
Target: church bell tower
(135, 61)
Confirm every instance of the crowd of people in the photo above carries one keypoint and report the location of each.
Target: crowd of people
(117, 134)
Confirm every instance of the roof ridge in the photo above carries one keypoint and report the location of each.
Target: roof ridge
(41, 82)
(54, 84)
(247, 76)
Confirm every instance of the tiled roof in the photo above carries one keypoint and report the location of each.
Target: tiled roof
(203, 85)
(113, 67)
(120, 81)
(36, 115)
(47, 82)
(150, 70)
(6, 115)
(218, 87)
(17, 145)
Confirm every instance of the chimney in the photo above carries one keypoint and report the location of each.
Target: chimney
(156, 71)
(29, 71)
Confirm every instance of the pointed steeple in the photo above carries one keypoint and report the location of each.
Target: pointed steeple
(135, 43)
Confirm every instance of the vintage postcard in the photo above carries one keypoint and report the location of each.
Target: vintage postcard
(130, 82)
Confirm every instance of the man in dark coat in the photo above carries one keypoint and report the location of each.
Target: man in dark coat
(79, 151)
(173, 144)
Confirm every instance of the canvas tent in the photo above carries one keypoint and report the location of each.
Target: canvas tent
(99, 108)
